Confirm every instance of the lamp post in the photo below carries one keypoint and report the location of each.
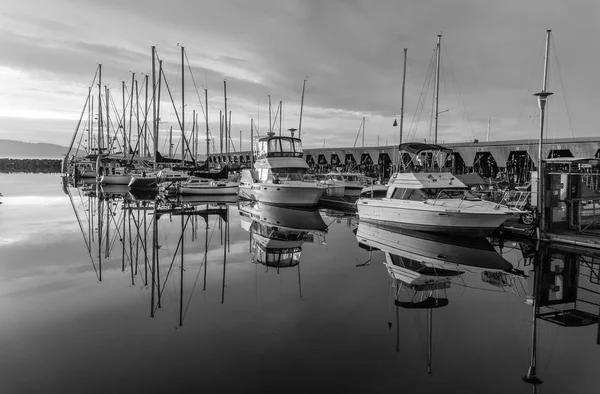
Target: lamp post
(542, 99)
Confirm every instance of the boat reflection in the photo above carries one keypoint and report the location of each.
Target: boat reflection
(422, 266)
(277, 233)
(560, 284)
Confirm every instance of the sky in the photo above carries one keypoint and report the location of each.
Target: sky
(350, 52)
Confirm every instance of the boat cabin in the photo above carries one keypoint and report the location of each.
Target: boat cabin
(273, 146)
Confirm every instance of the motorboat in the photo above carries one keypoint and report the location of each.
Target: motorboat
(203, 186)
(352, 182)
(433, 201)
(279, 175)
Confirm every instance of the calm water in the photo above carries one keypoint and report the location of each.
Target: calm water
(269, 307)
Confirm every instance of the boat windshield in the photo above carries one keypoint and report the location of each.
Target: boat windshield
(432, 194)
(286, 174)
(352, 178)
(280, 147)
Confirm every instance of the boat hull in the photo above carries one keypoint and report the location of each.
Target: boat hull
(144, 183)
(115, 179)
(209, 190)
(283, 194)
(424, 217)
(88, 174)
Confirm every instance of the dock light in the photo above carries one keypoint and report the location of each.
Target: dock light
(292, 130)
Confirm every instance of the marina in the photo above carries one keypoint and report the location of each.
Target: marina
(294, 196)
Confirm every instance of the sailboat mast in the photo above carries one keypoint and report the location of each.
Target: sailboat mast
(206, 115)
(437, 85)
(146, 116)
(122, 121)
(154, 116)
(129, 138)
(301, 107)
(100, 129)
(171, 141)
(252, 143)
(138, 145)
(182, 108)
(158, 103)
(194, 134)
(402, 102)
(89, 133)
(226, 135)
(108, 144)
(363, 132)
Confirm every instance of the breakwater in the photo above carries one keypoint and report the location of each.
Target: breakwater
(30, 165)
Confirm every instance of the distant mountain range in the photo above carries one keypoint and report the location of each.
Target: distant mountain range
(39, 150)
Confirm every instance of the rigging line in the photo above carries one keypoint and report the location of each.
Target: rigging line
(82, 232)
(564, 91)
(80, 138)
(416, 119)
(194, 82)
(460, 96)
(198, 276)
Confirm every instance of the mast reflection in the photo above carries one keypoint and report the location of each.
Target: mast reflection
(116, 222)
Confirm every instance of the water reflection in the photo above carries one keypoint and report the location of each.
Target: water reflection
(278, 233)
(560, 283)
(116, 223)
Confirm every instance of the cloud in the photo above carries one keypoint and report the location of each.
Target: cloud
(350, 51)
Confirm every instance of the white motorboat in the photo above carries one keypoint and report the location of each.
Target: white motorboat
(202, 186)
(433, 201)
(279, 175)
(352, 182)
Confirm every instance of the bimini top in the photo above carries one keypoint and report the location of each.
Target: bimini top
(272, 146)
(417, 147)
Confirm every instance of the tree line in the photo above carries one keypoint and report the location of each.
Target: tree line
(30, 165)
